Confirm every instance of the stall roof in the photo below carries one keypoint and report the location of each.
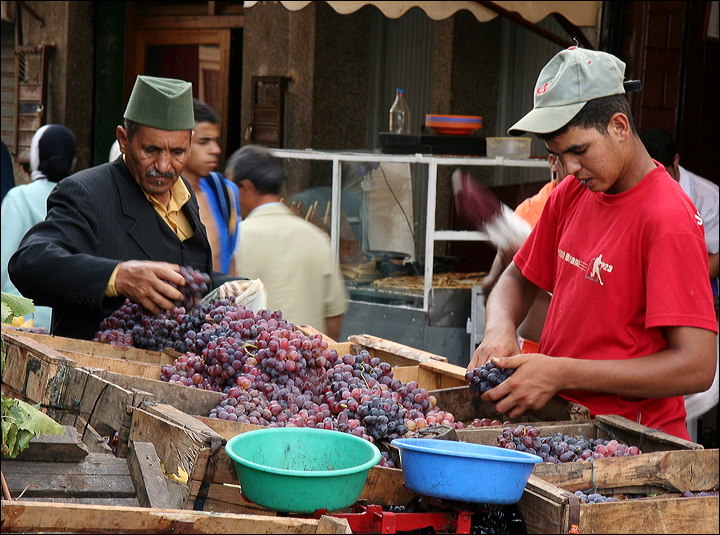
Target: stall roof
(579, 13)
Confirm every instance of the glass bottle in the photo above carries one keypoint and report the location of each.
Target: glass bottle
(400, 114)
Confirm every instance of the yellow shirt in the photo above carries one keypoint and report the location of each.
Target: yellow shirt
(172, 215)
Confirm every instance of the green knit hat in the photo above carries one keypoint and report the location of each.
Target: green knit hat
(162, 103)
(569, 80)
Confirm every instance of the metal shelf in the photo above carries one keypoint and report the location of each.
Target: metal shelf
(431, 235)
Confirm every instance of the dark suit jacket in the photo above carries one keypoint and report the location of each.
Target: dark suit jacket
(96, 219)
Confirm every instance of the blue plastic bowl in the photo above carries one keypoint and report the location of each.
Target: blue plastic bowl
(463, 471)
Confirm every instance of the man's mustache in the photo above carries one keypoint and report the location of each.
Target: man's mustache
(155, 174)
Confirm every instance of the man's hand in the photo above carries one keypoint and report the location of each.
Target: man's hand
(147, 283)
(502, 345)
(529, 388)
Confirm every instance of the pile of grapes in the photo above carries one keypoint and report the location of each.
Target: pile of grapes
(486, 377)
(274, 375)
(561, 448)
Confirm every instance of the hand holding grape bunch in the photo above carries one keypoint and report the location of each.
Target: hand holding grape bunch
(486, 377)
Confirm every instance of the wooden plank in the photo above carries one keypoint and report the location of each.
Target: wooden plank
(680, 470)
(37, 371)
(117, 365)
(175, 445)
(125, 502)
(547, 503)
(184, 398)
(661, 515)
(67, 447)
(144, 467)
(89, 436)
(465, 404)
(73, 345)
(96, 476)
(649, 439)
(392, 352)
(27, 516)
(90, 394)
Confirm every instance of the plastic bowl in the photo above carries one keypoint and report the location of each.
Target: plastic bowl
(458, 125)
(301, 470)
(463, 471)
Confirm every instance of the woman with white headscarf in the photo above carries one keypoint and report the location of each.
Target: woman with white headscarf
(52, 158)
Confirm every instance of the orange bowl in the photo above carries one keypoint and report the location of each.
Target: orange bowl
(456, 125)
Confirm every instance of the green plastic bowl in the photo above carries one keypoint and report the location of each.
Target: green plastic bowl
(301, 470)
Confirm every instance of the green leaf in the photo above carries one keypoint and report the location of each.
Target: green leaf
(6, 313)
(21, 422)
(19, 306)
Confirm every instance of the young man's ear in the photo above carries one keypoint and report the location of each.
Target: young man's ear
(619, 126)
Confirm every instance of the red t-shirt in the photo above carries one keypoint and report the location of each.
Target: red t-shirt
(620, 267)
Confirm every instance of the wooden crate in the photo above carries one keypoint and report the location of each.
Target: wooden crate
(60, 468)
(139, 371)
(548, 504)
(172, 417)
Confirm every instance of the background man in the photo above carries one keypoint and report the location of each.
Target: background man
(217, 196)
(291, 256)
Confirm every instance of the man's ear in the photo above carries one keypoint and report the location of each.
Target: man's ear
(122, 138)
(619, 126)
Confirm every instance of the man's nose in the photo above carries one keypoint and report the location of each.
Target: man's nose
(162, 162)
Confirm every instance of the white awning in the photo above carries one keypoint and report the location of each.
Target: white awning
(579, 13)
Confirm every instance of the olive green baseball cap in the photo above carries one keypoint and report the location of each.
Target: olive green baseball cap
(569, 80)
(162, 103)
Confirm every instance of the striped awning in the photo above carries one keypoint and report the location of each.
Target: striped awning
(578, 13)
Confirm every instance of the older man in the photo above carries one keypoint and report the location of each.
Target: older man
(122, 229)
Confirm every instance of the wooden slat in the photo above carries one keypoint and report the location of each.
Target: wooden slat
(27, 516)
(680, 470)
(649, 439)
(144, 466)
(175, 445)
(65, 447)
(34, 369)
(547, 505)
(668, 515)
(98, 476)
(89, 436)
(73, 345)
(186, 399)
(396, 354)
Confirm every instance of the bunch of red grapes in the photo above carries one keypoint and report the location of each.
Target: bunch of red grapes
(486, 377)
(133, 326)
(561, 448)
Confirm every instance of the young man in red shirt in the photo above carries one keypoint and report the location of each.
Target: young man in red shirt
(631, 324)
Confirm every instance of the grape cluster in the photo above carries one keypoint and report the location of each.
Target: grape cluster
(486, 377)
(593, 497)
(133, 326)
(688, 494)
(486, 422)
(561, 448)
(196, 286)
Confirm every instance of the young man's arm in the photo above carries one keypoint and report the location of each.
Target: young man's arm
(507, 306)
(686, 367)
